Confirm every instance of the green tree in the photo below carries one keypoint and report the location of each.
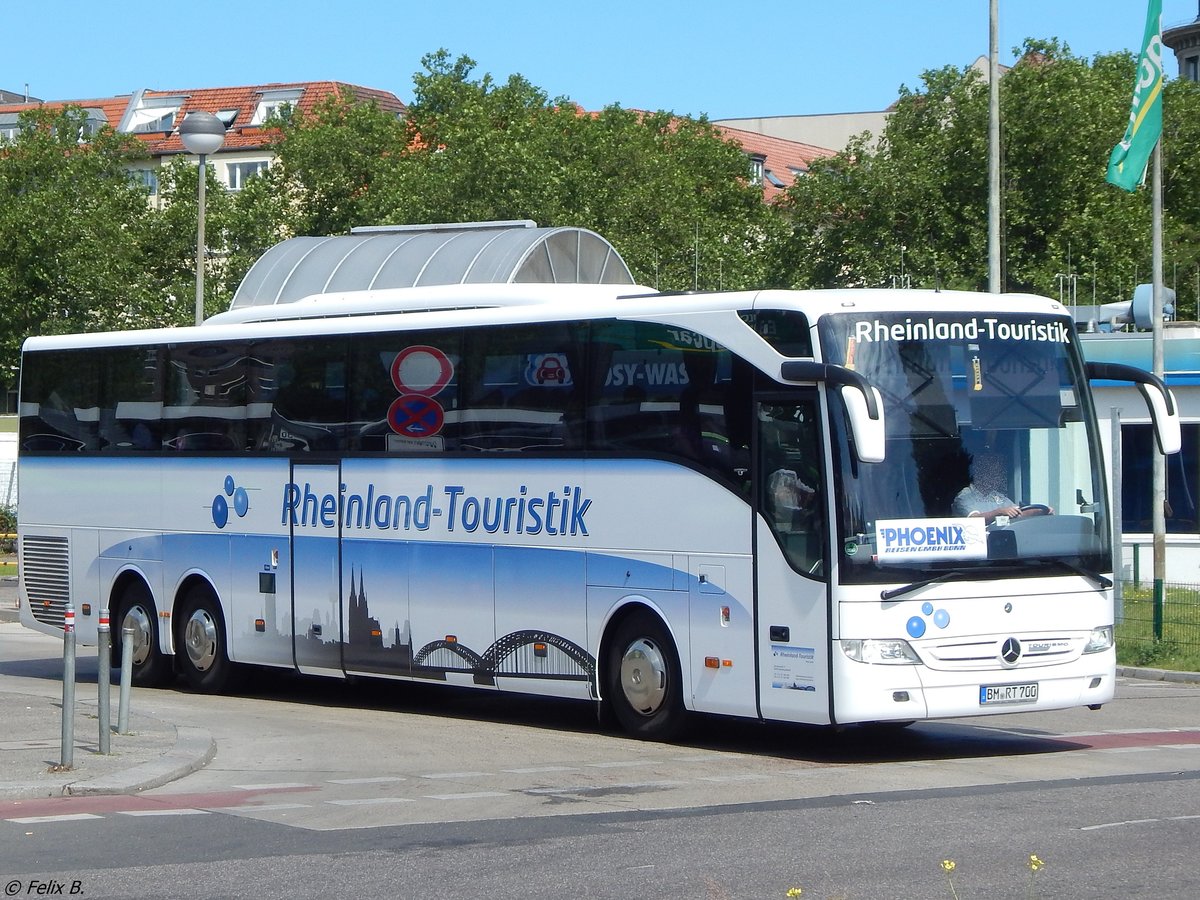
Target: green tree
(328, 164)
(73, 226)
(170, 274)
(668, 191)
(917, 199)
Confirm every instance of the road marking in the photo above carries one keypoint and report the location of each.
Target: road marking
(186, 811)
(457, 775)
(473, 795)
(273, 786)
(595, 788)
(1118, 824)
(626, 764)
(38, 820)
(370, 801)
(383, 779)
(538, 770)
(268, 808)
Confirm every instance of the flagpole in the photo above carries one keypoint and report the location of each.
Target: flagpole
(995, 284)
(1141, 149)
(1159, 472)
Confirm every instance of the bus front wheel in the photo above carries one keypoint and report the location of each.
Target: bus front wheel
(204, 656)
(150, 667)
(644, 683)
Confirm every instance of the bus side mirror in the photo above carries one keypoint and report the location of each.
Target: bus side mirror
(864, 405)
(867, 431)
(1164, 412)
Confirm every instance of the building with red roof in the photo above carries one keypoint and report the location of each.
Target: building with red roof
(777, 162)
(153, 117)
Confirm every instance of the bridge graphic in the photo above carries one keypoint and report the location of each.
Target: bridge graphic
(519, 654)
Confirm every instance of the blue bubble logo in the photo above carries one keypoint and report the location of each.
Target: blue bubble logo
(917, 624)
(220, 506)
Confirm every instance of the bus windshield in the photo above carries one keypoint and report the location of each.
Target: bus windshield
(990, 461)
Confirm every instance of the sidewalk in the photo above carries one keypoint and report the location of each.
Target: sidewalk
(152, 753)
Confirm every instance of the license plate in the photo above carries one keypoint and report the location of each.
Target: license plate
(999, 694)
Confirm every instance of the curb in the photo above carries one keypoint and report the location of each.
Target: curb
(1159, 675)
(194, 749)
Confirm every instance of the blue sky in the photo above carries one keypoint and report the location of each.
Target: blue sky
(726, 59)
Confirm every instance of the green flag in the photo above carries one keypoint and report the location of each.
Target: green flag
(1127, 164)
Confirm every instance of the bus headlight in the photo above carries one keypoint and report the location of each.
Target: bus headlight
(891, 653)
(1100, 640)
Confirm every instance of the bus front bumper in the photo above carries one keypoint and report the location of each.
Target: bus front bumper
(868, 692)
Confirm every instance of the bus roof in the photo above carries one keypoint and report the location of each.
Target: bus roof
(481, 304)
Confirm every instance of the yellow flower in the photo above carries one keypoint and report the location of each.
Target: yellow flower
(948, 865)
(795, 892)
(1034, 862)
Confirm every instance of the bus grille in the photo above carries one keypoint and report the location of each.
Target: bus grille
(986, 653)
(46, 571)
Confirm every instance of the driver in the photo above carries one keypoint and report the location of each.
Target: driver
(987, 494)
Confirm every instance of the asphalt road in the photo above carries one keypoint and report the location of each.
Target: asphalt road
(374, 789)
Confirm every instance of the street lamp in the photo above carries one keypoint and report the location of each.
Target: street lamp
(202, 133)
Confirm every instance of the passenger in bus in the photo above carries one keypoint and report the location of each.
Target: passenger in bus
(791, 500)
(987, 494)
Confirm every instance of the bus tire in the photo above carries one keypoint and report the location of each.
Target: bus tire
(645, 687)
(203, 648)
(151, 667)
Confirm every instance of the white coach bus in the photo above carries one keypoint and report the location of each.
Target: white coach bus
(756, 504)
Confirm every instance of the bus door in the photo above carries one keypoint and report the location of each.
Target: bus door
(316, 552)
(791, 558)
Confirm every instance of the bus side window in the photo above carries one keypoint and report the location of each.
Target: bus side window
(131, 401)
(521, 389)
(792, 497)
(205, 397)
(403, 392)
(663, 391)
(309, 405)
(59, 402)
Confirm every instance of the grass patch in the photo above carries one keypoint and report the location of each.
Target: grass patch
(1178, 645)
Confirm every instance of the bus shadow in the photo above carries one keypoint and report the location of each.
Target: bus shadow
(924, 741)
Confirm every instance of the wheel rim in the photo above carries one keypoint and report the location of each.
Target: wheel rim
(644, 676)
(139, 620)
(200, 638)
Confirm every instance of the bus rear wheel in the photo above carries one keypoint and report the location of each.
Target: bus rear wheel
(150, 667)
(644, 682)
(204, 655)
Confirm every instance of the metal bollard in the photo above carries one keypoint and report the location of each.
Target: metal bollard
(104, 680)
(126, 679)
(67, 759)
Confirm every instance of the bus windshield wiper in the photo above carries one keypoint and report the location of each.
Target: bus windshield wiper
(917, 585)
(984, 574)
